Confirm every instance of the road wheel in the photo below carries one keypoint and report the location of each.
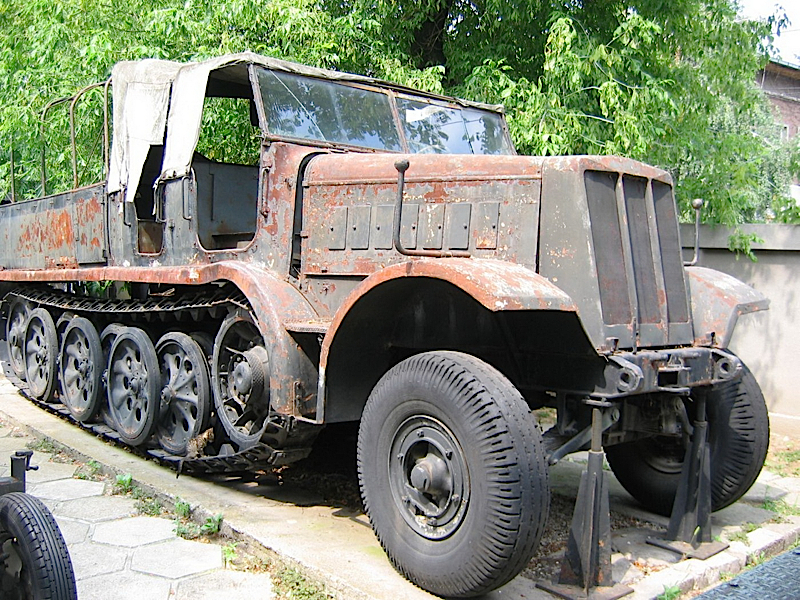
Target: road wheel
(134, 386)
(452, 473)
(34, 561)
(41, 354)
(240, 379)
(186, 395)
(738, 433)
(18, 313)
(81, 368)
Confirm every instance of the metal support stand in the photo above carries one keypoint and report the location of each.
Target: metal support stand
(20, 464)
(587, 561)
(689, 531)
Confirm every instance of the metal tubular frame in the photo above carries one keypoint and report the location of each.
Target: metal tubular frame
(73, 100)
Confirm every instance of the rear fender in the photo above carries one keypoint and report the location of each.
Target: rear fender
(717, 302)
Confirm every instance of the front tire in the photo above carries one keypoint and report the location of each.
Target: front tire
(452, 473)
(35, 561)
(738, 435)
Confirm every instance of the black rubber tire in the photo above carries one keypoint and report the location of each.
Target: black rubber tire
(506, 491)
(738, 434)
(28, 530)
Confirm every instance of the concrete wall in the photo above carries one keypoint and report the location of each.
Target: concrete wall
(768, 342)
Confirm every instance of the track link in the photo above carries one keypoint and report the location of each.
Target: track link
(225, 460)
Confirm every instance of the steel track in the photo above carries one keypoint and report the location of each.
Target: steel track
(257, 456)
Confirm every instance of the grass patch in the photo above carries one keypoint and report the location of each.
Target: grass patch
(670, 592)
(738, 536)
(123, 484)
(42, 445)
(229, 553)
(782, 508)
(292, 584)
(784, 462)
(189, 530)
(186, 529)
(183, 510)
(151, 507)
(91, 471)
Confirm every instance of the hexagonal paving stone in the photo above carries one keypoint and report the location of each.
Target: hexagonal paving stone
(133, 531)
(98, 508)
(50, 471)
(177, 558)
(124, 586)
(226, 584)
(73, 531)
(67, 489)
(90, 560)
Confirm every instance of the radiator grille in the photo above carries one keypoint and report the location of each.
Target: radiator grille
(637, 254)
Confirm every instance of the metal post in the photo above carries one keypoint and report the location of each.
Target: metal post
(587, 560)
(689, 531)
(11, 160)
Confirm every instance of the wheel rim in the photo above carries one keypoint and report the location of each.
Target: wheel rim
(107, 338)
(665, 454)
(240, 374)
(41, 348)
(185, 393)
(429, 478)
(81, 368)
(15, 334)
(133, 385)
(15, 579)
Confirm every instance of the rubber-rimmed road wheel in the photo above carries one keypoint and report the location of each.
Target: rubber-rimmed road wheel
(186, 395)
(41, 354)
(240, 374)
(34, 560)
(134, 386)
(738, 434)
(452, 473)
(18, 312)
(81, 368)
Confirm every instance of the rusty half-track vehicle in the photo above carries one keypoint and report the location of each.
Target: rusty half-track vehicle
(386, 258)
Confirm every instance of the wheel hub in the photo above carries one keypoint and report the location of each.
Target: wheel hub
(242, 379)
(429, 478)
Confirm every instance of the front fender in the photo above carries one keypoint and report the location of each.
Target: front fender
(497, 285)
(717, 302)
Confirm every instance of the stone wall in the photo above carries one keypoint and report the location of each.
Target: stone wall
(768, 342)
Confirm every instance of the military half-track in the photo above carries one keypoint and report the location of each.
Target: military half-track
(385, 258)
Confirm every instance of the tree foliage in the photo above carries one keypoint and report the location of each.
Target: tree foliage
(670, 83)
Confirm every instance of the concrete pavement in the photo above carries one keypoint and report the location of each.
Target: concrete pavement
(118, 553)
(115, 550)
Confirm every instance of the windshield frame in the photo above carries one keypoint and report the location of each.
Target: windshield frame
(392, 97)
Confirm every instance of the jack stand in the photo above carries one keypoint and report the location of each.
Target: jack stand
(689, 531)
(587, 561)
(20, 464)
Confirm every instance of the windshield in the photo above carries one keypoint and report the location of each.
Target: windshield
(443, 129)
(314, 109)
(301, 107)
